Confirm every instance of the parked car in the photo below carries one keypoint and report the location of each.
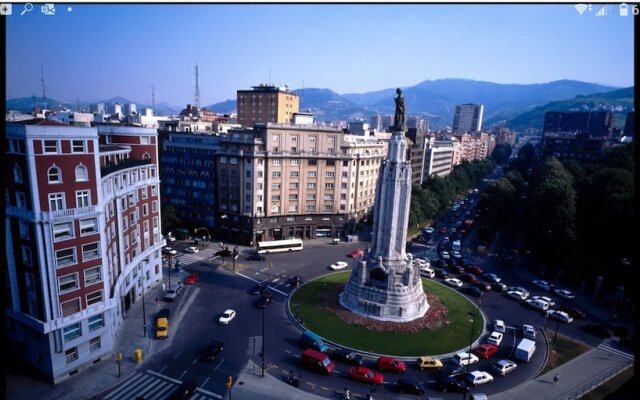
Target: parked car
(462, 359)
(429, 230)
(428, 362)
(564, 293)
(452, 383)
(542, 284)
(599, 330)
(408, 386)
(498, 326)
(173, 292)
(546, 299)
(456, 269)
(445, 255)
(491, 278)
(503, 367)
(212, 350)
(476, 378)
(453, 282)
(256, 257)
(348, 356)
(456, 254)
(356, 253)
(574, 312)
(484, 286)
(474, 269)
(227, 316)
(495, 338)
(390, 364)
(486, 350)
(559, 315)
(529, 332)
(537, 304)
(338, 265)
(185, 391)
(520, 289)
(499, 287)
(441, 273)
(469, 278)
(169, 250)
(366, 375)
(517, 295)
(192, 250)
(191, 279)
(473, 291)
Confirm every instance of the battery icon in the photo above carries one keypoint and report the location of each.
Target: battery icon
(624, 10)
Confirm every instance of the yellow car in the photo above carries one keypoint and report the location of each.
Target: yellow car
(428, 362)
(162, 328)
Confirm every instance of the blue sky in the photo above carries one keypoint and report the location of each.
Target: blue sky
(101, 51)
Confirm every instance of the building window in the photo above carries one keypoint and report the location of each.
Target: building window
(293, 197)
(82, 173)
(21, 200)
(71, 354)
(56, 201)
(91, 276)
(62, 231)
(311, 174)
(293, 185)
(24, 230)
(311, 185)
(328, 186)
(66, 257)
(328, 197)
(311, 208)
(145, 210)
(275, 161)
(293, 208)
(294, 174)
(94, 344)
(71, 332)
(312, 162)
(54, 175)
(95, 297)
(154, 206)
(82, 199)
(17, 174)
(88, 226)
(96, 322)
(275, 197)
(276, 174)
(90, 251)
(329, 174)
(78, 146)
(144, 192)
(154, 190)
(26, 256)
(68, 283)
(328, 207)
(70, 307)
(50, 146)
(331, 163)
(295, 161)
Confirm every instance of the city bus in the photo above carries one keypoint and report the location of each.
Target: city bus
(276, 246)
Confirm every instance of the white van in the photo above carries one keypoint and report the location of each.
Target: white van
(525, 350)
(425, 270)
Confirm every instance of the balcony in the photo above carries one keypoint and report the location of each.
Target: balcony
(109, 169)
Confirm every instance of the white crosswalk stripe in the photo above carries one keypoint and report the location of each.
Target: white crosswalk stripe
(612, 345)
(152, 387)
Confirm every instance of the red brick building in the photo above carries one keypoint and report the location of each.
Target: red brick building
(82, 238)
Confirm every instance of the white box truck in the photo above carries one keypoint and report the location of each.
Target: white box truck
(525, 350)
(455, 246)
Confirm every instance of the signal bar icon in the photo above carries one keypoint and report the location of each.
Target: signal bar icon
(602, 12)
(581, 8)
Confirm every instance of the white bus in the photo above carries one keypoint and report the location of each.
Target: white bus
(276, 246)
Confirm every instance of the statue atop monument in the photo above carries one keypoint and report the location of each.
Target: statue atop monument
(398, 119)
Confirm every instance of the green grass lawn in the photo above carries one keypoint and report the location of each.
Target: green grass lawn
(310, 300)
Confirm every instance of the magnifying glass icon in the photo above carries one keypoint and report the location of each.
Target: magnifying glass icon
(27, 8)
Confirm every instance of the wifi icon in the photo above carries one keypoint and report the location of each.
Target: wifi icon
(581, 8)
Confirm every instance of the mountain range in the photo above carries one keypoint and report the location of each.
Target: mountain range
(517, 105)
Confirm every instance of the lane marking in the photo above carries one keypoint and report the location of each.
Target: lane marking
(164, 376)
(256, 281)
(205, 381)
(196, 360)
(182, 374)
(219, 364)
(163, 368)
(177, 355)
(264, 269)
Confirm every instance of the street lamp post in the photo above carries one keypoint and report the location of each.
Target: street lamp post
(473, 326)
(144, 314)
(263, 341)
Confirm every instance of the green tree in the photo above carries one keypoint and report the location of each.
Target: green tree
(501, 153)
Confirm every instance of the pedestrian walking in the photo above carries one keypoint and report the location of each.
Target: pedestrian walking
(556, 378)
(164, 286)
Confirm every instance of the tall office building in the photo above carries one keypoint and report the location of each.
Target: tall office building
(266, 103)
(468, 118)
(82, 238)
(590, 123)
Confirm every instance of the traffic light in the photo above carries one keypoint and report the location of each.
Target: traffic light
(229, 382)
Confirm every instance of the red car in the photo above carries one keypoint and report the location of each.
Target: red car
(474, 269)
(191, 279)
(357, 253)
(366, 375)
(486, 350)
(390, 364)
(469, 278)
(443, 229)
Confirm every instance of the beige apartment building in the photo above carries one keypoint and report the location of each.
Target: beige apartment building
(266, 103)
(294, 180)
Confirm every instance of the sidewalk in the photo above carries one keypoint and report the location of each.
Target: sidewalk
(92, 381)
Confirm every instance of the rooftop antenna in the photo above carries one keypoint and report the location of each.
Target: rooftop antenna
(44, 92)
(153, 98)
(197, 94)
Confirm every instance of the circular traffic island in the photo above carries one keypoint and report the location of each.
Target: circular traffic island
(446, 327)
